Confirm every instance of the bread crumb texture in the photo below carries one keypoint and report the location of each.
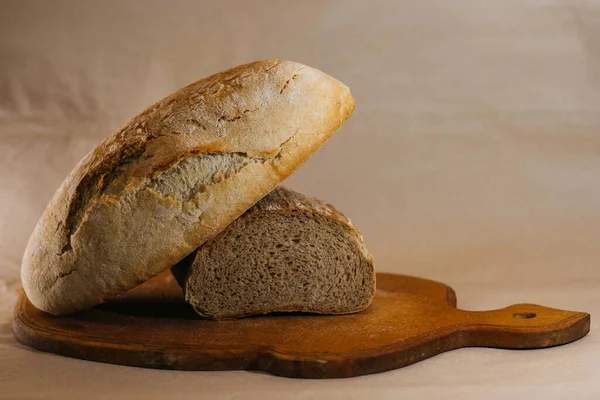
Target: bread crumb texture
(284, 254)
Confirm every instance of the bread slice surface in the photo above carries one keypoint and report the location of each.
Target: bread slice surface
(288, 253)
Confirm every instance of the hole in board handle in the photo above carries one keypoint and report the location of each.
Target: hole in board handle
(524, 315)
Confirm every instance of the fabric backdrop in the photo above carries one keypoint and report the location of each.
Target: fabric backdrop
(473, 158)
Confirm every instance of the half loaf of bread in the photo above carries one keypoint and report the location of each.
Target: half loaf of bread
(174, 176)
(288, 253)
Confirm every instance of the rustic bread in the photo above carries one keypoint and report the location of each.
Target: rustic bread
(174, 176)
(289, 252)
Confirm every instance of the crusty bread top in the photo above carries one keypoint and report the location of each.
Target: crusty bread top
(283, 198)
(175, 176)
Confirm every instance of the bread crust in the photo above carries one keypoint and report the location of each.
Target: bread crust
(129, 210)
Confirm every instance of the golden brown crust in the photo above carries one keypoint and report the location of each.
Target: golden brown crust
(109, 226)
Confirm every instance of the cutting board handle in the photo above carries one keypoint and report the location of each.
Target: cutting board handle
(522, 326)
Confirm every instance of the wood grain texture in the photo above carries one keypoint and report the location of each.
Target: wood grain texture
(410, 319)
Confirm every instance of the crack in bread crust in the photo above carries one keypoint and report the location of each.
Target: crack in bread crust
(205, 168)
(93, 186)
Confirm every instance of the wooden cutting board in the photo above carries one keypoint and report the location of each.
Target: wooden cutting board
(411, 319)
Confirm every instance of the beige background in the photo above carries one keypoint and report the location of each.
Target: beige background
(473, 158)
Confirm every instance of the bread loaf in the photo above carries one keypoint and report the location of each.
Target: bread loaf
(174, 176)
(289, 252)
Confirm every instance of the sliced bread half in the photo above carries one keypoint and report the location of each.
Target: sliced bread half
(288, 253)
